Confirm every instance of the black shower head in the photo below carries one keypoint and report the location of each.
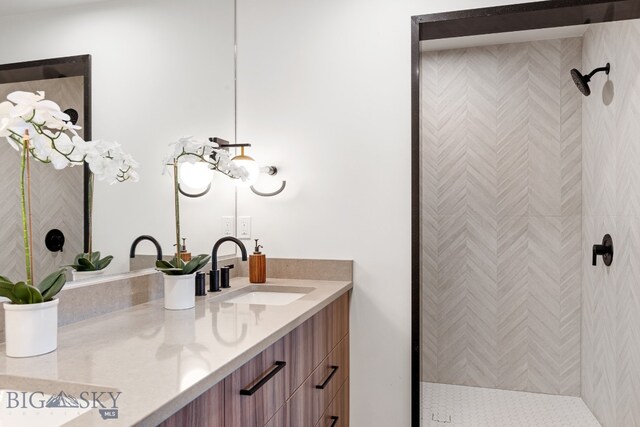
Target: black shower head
(582, 82)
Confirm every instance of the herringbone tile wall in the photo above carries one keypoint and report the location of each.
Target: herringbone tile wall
(501, 216)
(57, 196)
(611, 195)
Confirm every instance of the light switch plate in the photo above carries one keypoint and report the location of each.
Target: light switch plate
(244, 227)
(227, 226)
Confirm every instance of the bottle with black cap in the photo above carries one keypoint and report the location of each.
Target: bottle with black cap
(257, 265)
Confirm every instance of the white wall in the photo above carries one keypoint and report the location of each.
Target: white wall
(160, 70)
(324, 93)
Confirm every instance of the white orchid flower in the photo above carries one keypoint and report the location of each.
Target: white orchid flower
(6, 121)
(104, 169)
(42, 147)
(54, 139)
(86, 149)
(24, 102)
(109, 162)
(33, 105)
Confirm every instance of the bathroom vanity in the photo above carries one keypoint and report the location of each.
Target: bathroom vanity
(300, 380)
(280, 358)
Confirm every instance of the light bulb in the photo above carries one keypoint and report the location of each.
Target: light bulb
(195, 176)
(252, 168)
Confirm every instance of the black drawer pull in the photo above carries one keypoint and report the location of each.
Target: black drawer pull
(277, 367)
(334, 369)
(334, 421)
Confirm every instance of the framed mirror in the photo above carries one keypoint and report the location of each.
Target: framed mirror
(160, 70)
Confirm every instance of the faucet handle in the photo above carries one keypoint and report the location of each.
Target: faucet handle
(214, 281)
(229, 266)
(224, 276)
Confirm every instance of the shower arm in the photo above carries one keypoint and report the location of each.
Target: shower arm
(597, 70)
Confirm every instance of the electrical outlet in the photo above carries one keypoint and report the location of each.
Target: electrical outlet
(227, 226)
(244, 227)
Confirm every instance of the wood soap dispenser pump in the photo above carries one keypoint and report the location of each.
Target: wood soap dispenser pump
(257, 265)
(182, 251)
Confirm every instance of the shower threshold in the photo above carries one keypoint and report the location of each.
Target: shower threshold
(445, 405)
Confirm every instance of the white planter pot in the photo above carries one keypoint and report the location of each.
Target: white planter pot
(179, 292)
(81, 275)
(31, 329)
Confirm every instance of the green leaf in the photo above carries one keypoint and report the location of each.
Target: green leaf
(6, 290)
(4, 279)
(196, 264)
(50, 280)
(177, 262)
(56, 287)
(163, 264)
(95, 257)
(104, 262)
(86, 265)
(27, 294)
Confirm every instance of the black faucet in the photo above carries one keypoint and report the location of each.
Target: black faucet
(134, 245)
(214, 280)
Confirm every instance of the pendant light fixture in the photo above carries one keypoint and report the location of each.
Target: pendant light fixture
(250, 165)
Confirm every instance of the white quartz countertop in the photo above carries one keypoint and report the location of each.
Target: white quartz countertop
(160, 359)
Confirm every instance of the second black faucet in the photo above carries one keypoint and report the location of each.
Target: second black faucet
(215, 282)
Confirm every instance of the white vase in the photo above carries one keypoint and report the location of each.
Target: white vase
(179, 292)
(81, 275)
(31, 329)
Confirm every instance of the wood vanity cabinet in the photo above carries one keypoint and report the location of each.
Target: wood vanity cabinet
(300, 381)
(255, 392)
(206, 411)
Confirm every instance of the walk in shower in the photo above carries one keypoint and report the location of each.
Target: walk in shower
(527, 160)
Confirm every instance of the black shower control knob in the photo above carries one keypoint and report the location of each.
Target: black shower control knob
(54, 240)
(605, 250)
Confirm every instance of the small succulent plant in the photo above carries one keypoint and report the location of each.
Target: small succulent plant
(177, 267)
(91, 262)
(21, 293)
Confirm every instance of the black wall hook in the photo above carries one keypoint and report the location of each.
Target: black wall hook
(605, 250)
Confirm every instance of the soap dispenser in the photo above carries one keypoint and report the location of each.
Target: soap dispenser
(186, 256)
(257, 265)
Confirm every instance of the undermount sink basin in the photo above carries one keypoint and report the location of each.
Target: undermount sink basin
(269, 295)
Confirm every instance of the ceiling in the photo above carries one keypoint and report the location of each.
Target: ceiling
(503, 38)
(18, 7)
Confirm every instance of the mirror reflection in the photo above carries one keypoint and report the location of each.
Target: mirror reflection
(58, 237)
(160, 70)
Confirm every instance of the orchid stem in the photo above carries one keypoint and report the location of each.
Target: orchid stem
(90, 213)
(27, 144)
(177, 208)
(26, 222)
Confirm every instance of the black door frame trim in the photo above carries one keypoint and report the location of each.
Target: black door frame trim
(500, 19)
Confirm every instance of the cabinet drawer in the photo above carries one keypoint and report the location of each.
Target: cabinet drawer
(207, 410)
(281, 418)
(255, 392)
(337, 414)
(310, 343)
(312, 399)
